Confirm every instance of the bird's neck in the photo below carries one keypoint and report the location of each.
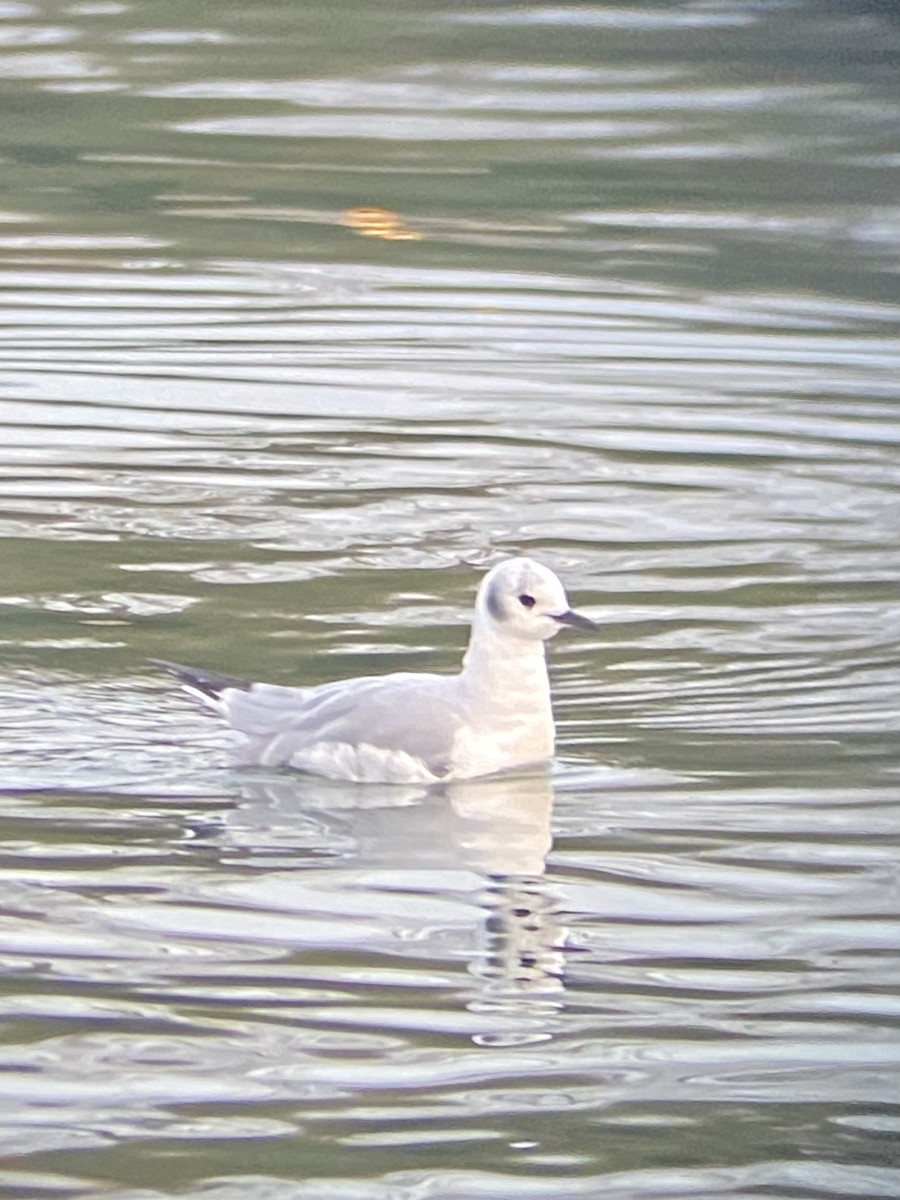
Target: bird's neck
(506, 673)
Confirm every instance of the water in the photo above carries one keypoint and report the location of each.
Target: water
(631, 306)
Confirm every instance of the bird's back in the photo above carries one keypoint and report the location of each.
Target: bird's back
(400, 727)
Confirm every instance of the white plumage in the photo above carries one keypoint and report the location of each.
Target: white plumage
(417, 727)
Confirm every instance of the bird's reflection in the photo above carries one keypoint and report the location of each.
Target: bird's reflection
(479, 842)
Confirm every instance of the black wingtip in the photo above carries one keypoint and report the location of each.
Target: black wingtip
(207, 682)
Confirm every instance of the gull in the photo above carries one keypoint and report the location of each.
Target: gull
(414, 727)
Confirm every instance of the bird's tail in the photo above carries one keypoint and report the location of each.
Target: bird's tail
(205, 685)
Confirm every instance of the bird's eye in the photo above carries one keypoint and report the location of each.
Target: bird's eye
(527, 601)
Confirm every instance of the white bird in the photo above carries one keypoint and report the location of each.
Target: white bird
(415, 727)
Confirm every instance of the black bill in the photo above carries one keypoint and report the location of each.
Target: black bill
(576, 620)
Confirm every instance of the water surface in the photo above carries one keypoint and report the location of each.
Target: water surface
(625, 298)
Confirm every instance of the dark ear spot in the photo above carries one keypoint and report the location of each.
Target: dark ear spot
(495, 604)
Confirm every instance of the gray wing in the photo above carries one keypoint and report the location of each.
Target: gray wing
(410, 714)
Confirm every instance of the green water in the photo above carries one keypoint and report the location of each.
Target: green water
(637, 317)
